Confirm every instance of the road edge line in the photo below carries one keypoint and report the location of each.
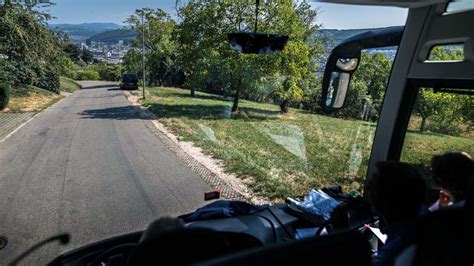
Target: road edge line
(19, 127)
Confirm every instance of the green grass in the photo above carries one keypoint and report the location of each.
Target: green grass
(68, 85)
(279, 155)
(31, 99)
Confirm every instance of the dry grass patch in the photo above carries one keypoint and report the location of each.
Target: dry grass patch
(31, 99)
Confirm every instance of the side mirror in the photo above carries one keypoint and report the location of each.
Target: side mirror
(344, 60)
(256, 43)
(337, 81)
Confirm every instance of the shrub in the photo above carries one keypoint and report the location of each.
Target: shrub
(88, 75)
(4, 95)
(67, 67)
(444, 125)
(48, 80)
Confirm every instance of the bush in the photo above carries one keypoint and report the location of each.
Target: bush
(88, 75)
(444, 125)
(67, 68)
(108, 72)
(48, 80)
(4, 95)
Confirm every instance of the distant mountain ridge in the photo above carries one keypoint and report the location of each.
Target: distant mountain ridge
(114, 36)
(340, 35)
(112, 32)
(82, 32)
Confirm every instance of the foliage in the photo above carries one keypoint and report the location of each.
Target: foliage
(132, 62)
(88, 75)
(159, 29)
(195, 47)
(4, 95)
(48, 79)
(67, 67)
(108, 72)
(446, 111)
(367, 87)
(209, 65)
(33, 52)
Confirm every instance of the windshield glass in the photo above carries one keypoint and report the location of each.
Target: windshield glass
(441, 122)
(82, 151)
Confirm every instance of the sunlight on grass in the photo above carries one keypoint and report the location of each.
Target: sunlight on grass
(68, 85)
(280, 155)
(31, 99)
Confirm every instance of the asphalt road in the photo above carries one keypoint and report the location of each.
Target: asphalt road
(90, 166)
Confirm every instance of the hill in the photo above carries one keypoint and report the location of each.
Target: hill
(81, 32)
(114, 36)
(340, 35)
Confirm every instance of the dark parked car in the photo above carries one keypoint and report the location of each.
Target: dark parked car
(129, 82)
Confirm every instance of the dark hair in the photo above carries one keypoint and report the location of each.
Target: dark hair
(452, 171)
(396, 191)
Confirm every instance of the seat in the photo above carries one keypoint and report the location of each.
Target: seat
(445, 237)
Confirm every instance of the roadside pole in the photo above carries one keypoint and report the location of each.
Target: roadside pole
(143, 50)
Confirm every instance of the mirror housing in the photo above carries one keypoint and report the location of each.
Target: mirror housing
(344, 60)
(256, 43)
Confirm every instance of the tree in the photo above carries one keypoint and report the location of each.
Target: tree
(87, 56)
(428, 104)
(367, 87)
(297, 20)
(202, 41)
(132, 61)
(447, 109)
(34, 52)
(160, 45)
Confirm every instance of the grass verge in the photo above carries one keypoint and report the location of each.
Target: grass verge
(68, 85)
(31, 99)
(279, 155)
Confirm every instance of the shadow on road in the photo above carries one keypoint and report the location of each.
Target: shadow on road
(101, 87)
(117, 113)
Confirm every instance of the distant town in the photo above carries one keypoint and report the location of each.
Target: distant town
(111, 53)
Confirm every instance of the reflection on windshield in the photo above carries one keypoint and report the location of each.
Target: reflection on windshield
(289, 137)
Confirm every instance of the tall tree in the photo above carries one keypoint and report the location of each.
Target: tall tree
(160, 45)
(203, 44)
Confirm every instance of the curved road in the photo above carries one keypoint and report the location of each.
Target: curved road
(89, 165)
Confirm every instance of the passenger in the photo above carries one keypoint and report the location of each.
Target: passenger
(451, 173)
(396, 191)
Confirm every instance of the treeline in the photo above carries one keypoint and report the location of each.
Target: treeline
(192, 52)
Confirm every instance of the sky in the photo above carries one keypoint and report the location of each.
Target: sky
(332, 16)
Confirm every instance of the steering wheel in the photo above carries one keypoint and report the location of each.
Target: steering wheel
(124, 249)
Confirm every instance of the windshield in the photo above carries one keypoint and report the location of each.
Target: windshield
(84, 153)
(443, 122)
